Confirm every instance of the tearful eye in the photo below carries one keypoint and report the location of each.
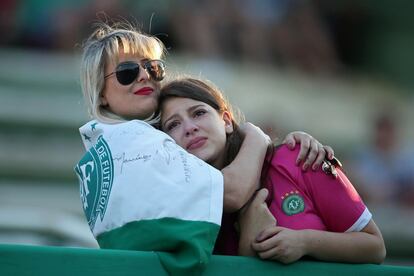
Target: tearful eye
(199, 112)
(172, 125)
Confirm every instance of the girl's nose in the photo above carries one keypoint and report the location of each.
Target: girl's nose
(190, 128)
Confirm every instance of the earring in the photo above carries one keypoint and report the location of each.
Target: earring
(229, 128)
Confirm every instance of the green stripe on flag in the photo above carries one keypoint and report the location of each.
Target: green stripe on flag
(184, 247)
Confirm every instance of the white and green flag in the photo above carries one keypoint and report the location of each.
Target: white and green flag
(141, 191)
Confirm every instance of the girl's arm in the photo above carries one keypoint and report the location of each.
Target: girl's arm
(287, 246)
(366, 246)
(351, 235)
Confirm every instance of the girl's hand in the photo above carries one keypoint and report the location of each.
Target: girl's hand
(253, 219)
(312, 152)
(280, 244)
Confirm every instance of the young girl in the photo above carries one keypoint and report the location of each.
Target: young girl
(318, 213)
(139, 189)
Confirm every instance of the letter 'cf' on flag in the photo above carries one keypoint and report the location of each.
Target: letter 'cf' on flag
(141, 191)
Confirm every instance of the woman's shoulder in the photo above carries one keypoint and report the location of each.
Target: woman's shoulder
(93, 124)
(132, 129)
(133, 126)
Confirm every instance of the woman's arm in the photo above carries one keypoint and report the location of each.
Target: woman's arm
(241, 177)
(287, 246)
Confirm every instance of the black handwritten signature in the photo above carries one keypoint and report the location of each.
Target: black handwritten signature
(139, 157)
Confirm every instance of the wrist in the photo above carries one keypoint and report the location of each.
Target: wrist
(304, 237)
(245, 246)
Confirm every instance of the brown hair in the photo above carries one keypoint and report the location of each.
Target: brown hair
(206, 92)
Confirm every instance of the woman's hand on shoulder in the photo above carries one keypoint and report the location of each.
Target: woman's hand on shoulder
(312, 152)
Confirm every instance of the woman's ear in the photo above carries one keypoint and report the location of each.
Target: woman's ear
(103, 100)
(228, 124)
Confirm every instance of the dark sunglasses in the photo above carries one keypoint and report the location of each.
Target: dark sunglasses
(127, 72)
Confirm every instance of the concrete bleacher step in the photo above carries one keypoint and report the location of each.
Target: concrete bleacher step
(40, 111)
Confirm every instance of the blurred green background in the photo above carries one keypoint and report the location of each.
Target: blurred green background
(325, 67)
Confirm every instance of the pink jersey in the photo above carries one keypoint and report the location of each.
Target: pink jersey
(304, 200)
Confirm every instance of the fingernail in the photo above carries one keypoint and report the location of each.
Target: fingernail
(298, 161)
(314, 167)
(305, 167)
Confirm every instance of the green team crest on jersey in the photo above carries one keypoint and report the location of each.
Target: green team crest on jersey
(96, 173)
(293, 204)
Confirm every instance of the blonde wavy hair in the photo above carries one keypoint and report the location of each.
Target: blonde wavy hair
(104, 46)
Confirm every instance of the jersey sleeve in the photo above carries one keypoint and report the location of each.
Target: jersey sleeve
(338, 203)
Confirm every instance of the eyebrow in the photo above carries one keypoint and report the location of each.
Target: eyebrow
(190, 109)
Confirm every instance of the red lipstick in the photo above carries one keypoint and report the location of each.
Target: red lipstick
(144, 91)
